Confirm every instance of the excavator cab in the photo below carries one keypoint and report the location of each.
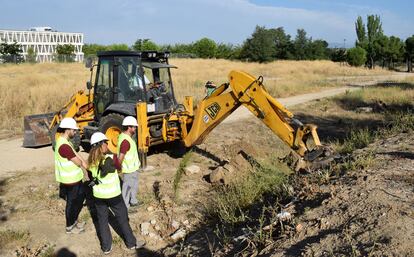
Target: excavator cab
(124, 78)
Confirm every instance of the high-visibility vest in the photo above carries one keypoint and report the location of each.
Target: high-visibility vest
(108, 186)
(131, 161)
(66, 171)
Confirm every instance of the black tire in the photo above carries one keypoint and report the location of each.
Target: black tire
(76, 140)
(109, 125)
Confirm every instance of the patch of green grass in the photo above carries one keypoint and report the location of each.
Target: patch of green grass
(11, 236)
(179, 173)
(360, 162)
(357, 139)
(399, 122)
(351, 100)
(394, 123)
(232, 200)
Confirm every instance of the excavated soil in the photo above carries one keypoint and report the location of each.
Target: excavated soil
(367, 212)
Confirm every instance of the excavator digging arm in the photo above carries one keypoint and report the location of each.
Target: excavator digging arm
(250, 92)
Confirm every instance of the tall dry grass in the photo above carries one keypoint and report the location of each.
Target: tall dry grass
(31, 89)
(282, 78)
(39, 88)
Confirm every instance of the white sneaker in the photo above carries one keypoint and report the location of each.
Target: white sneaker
(108, 251)
(81, 225)
(74, 230)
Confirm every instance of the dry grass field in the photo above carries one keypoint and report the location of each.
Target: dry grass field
(31, 89)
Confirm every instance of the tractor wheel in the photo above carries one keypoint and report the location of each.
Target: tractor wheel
(54, 135)
(111, 126)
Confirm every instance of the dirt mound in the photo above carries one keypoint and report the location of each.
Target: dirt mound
(239, 161)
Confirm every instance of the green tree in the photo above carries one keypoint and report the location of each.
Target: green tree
(392, 52)
(374, 31)
(282, 44)
(356, 56)
(367, 37)
(361, 33)
(145, 45)
(225, 51)
(93, 49)
(31, 55)
(205, 48)
(409, 51)
(301, 45)
(11, 53)
(260, 47)
(397, 49)
(381, 49)
(338, 54)
(65, 53)
(318, 50)
(117, 47)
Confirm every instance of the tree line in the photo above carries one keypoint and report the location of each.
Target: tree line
(372, 48)
(264, 45)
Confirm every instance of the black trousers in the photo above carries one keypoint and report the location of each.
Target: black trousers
(90, 203)
(74, 196)
(113, 206)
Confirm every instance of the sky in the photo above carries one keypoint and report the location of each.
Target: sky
(186, 21)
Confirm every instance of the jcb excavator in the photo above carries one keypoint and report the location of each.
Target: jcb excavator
(139, 84)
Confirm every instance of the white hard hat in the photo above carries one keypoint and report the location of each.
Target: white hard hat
(68, 123)
(98, 137)
(130, 121)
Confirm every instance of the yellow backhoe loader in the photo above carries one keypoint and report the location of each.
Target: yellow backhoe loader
(140, 84)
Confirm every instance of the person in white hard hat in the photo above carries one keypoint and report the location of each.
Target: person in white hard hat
(70, 169)
(106, 190)
(128, 158)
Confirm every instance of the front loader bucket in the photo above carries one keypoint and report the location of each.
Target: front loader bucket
(36, 130)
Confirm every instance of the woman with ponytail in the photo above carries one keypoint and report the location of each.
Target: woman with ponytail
(107, 194)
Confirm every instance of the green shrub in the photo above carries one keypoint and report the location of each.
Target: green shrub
(357, 139)
(232, 201)
(356, 56)
(180, 171)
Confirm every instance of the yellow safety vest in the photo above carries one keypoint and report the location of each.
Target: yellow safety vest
(108, 186)
(66, 171)
(131, 161)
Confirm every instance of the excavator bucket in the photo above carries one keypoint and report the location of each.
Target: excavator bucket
(36, 130)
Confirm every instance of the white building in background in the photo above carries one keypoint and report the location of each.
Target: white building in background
(43, 40)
